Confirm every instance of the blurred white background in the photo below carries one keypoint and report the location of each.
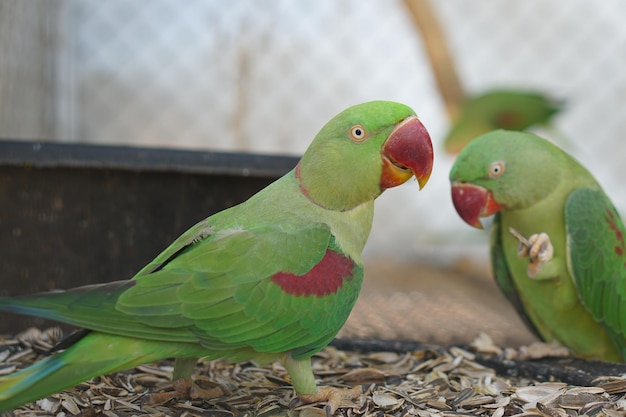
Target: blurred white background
(263, 77)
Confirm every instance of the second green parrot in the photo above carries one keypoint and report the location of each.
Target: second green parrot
(557, 242)
(273, 278)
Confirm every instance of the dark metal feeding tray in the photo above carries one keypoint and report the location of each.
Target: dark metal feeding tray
(73, 215)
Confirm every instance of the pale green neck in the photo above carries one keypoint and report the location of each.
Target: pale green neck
(332, 192)
(351, 228)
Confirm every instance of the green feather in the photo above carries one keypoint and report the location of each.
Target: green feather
(503, 276)
(95, 354)
(598, 258)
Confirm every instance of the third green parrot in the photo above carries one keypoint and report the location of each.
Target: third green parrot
(273, 278)
(499, 109)
(557, 242)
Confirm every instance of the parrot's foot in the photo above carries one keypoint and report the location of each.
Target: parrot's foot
(184, 388)
(332, 396)
(537, 248)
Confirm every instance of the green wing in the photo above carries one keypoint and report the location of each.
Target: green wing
(199, 232)
(597, 259)
(503, 277)
(216, 290)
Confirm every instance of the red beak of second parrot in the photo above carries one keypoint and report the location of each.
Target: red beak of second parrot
(473, 202)
(408, 151)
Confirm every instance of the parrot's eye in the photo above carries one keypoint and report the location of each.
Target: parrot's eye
(357, 133)
(496, 169)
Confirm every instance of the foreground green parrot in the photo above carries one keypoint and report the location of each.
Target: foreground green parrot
(499, 109)
(273, 278)
(557, 242)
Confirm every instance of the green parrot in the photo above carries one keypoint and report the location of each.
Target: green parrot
(499, 109)
(557, 242)
(273, 278)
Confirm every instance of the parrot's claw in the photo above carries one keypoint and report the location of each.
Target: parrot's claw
(541, 248)
(537, 248)
(184, 388)
(158, 398)
(332, 396)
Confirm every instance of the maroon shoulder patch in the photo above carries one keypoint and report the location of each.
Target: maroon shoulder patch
(620, 248)
(325, 278)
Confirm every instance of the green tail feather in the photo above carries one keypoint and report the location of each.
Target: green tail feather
(96, 354)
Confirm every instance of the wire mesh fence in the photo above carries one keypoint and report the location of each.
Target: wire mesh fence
(236, 75)
(264, 76)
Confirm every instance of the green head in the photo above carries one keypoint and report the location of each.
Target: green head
(504, 169)
(362, 151)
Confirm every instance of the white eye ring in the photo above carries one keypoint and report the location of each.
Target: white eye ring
(496, 169)
(357, 133)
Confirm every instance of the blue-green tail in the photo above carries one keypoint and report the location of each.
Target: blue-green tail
(95, 354)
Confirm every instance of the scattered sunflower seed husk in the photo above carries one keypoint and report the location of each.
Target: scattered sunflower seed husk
(445, 382)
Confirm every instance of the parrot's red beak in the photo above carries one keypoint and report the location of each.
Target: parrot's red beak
(408, 151)
(473, 202)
